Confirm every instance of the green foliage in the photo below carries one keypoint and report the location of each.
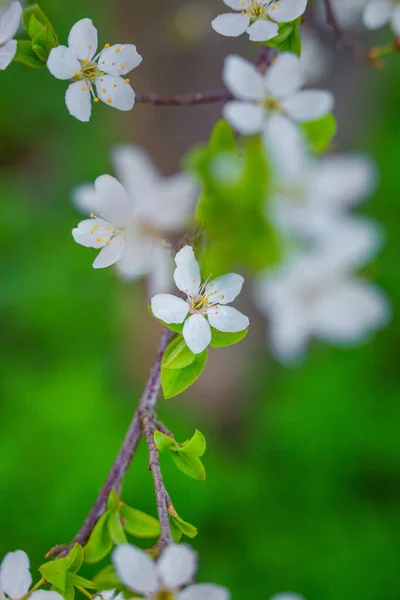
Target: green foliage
(319, 133)
(43, 38)
(180, 527)
(187, 455)
(231, 209)
(62, 574)
(220, 339)
(113, 525)
(288, 38)
(174, 381)
(177, 355)
(107, 579)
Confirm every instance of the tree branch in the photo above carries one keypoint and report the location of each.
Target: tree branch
(331, 20)
(124, 456)
(183, 99)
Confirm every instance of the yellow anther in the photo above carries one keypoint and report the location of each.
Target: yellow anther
(106, 45)
(95, 100)
(96, 227)
(222, 297)
(127, 80)
(92, 231)
(118, 50)
(108, 229)
(272, 7)
(90, 47)
(122, 66)
(91, 215)
(115, 85)
(78, 73)
(108, 243)
(83, 88)
(99, 240)
(104, 90)
(86, 61)
(109, 100)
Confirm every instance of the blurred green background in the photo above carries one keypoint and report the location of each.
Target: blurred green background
(303, 487)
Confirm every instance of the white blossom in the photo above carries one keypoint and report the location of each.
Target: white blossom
(315, 59)
(287, 596)
(347, 13)
(98, 76)
(16, 579)
(310, 195)
(259, 18)
(258, 95)
(382, 12)
(317, 295)
(167, 577)
(206, 303)
(10, 19)
(129, 219)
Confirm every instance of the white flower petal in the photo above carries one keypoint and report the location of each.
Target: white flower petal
(82, 39)
(187, 273)
(396, 19)
(245, 117)
(288, 335)
(342, 181)
(169, 205)
(243, 79)
(84, 198)
(177, 566)
(115, 92)
(77, 99)
(230, 25)
(45, 595)
(135, 170)
(377, 14)
(15, 578)
(169, 309)
(286, 10)
(137, 258)
(284, 76)
(308, 105)
(287, 596)
(119, 59)
(111, 253)
(227, 319)
(62, 63)
(10, 20)
(204, 591)
(92, 233)
(160, 276)
(7, 53)
(224, 289)
(234, 4)
(196, 333)
(112, 201)
(286, 148)
(350, 312)
(136, 569)
(262, 30)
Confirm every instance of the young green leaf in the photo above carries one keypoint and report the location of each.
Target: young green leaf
(320, 132)
(82, 582)
(176, 381)
(196, 445)
(177, 355)
(100, 542)
(186, 528)
(189, 464)
(222, 137)
(75, 558)
(220, 339)
(163, 441)
(32, 17)
(27, 56)
(113, 502)
(175, 530)
(107, 579)
(138, 523)
(55, 572)
(116, 529)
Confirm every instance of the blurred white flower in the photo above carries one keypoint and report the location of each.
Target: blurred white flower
(206, 303)
(382, 12)
(16, 579)
(259, 18)
(165, 578)
(315, 59)
(130, 219)
(348, 13)
(287, 596)
(310, 194)
(10, 19)
(277, 91)
(96, 76)
(316, 294)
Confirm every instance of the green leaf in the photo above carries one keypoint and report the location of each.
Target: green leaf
(100, 543)
(32, 17)
(55, 572)
(116, 529)
(186, 528)
(27, 56)
(189, 464)
(292, 43)
(163, 441)
(175, 530)
(113, 502)
(177, 355)
(75, 559)
(43, 42)
(107, 579)
(320, 132)
(81, 581)
(68, 592)
(177, 327)
(222, 137)
(34, 26)
(176, 381)
(196, 445)
(138, 523)
(220, 339)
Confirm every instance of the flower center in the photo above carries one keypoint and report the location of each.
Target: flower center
(256, 9)
(164, 595)
(89, 70)
(271, 104)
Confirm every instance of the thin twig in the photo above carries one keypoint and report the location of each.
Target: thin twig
(149, 428)
(332, 21)
(124, 456)
(183, 99)
(161, 427)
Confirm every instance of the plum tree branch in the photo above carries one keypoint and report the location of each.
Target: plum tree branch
(125, 454)
(183, 99)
